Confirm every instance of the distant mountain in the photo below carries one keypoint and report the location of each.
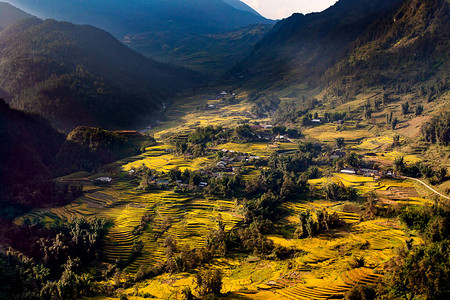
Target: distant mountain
(211, 54)
(9, 14)
(206, 35)
(410, 48)
(121, 17)
(353, 45)
(79, 75)
(238, 4)
(303, 47)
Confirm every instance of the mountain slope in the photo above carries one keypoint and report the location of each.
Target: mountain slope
(301, 48)
(122, 17)
(408, 48)
(211, 54)
(9, 14)
(80, 75)
(238, 4)
(352, 46)
(207, 35)
(29, 144)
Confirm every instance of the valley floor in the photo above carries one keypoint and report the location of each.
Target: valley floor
(324, 268)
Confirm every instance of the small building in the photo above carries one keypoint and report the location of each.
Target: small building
(104, 179)
(337, 154)
(221, 164)
(390, 173)
(368, 172)
(224, 93)
(203, 184)
(316, 121)
(241, 158)
(348, 171)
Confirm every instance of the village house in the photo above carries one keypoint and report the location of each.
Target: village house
(337, 154)
(104, 179)
(162, 182)
(348, 171)
(368, 172)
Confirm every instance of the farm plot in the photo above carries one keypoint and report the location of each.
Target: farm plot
(187, 221)
(159, 160)
(325, 271)
(327, 134)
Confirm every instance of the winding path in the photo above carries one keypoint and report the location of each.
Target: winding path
(436, 192)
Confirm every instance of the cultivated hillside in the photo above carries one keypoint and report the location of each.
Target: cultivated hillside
(80, 75)
(9, 14)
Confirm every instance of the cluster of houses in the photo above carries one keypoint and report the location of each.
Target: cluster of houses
(226, 162)
(376, 174)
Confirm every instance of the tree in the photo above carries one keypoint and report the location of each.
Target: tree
(423, 273)
(209, 282)
(353, 160)
(340, 142)
(419, 110)
(405, 108)
(394, 123)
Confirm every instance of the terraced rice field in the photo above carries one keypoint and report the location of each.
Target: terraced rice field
(327, 134)
(393, 155)
(389, 190)
(374, 143)
(187, 220)
(183, 115)
(324, 271)
(157, 159)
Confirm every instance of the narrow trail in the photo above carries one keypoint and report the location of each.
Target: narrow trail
(429, 187)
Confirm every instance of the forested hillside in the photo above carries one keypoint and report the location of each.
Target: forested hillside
(208, 36)
(79, 75)
(407, 50)
(29, 145)
(354, 45)
(212, 54)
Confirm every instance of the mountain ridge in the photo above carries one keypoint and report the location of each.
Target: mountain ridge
(344, 47)
(80, 75)
(10, 14)
(123, 17)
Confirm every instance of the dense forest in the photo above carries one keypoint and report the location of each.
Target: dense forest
(80, 75)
